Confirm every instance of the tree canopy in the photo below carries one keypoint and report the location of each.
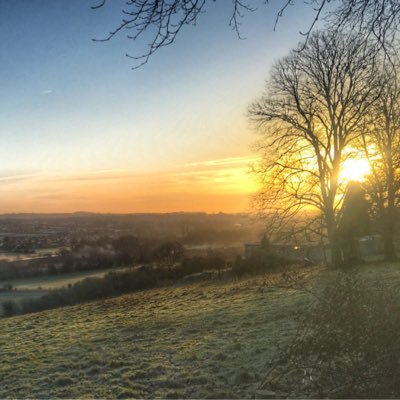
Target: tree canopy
(312, 110)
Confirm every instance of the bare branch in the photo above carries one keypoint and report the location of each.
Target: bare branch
(311, 113)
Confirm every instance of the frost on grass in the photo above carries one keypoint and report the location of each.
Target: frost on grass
(198, 341)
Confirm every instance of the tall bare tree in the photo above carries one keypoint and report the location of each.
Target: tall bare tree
(381, 144)
(308, 118)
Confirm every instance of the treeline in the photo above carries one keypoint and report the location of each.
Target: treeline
(100, 253)
(167, 272)
(116, 283)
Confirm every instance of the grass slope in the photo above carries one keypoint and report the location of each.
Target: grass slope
(198, 341)
(190, 341)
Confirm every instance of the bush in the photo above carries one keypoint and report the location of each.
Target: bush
(10, 308)
(347, 345)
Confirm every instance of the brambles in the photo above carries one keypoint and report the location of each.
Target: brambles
(347, 345)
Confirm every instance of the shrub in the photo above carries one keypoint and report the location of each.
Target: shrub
(347, 344)
(10, 308)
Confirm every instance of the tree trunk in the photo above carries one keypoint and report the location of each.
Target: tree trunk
(390, 215)
(336, 252)
(388, 235)
(334, 242)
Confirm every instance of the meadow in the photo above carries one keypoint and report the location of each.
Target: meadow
(204, 340)
(35, 287)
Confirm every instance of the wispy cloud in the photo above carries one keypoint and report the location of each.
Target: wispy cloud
(47, 91)
(96, 175)
(9, 178)
(227, 161)
(62, 196)
(212, 185)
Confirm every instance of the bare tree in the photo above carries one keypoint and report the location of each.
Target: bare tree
(309, 116)
(372, 19)
(381, 144)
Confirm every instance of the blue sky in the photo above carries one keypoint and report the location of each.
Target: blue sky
(69, 105)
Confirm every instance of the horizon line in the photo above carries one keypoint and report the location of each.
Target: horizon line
(128, 213)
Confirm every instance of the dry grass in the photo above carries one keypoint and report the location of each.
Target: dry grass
(199, 341)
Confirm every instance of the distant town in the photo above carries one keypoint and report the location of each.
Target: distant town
(29, 233)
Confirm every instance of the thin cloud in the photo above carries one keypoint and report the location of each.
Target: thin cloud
(97, 175)
(211, 185)
(60, 197)
(15, 178)
(223, 162)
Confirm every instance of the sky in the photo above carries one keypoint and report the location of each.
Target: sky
(82, 131)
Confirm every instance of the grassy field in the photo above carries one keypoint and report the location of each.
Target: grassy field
(33, 288)
(206, 340)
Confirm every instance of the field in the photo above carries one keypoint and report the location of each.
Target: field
(205, 340)
(47, 252)
(33, 288)
(56, 281)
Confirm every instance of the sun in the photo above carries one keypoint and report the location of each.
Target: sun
(354, 170)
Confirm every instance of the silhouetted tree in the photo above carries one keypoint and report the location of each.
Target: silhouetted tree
(354, 221)
(310, 113)
(170, 251)
(381, 144)
(376, 20)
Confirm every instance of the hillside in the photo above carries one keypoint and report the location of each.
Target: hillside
(210, 340)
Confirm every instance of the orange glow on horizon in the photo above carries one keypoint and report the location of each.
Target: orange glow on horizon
(211, 186)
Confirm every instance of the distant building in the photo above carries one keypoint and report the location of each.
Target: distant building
(367, 246)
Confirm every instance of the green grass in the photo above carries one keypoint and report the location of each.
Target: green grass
(198, 341)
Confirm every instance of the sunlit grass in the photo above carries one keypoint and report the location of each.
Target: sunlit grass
(190, 341)
(197, 341)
